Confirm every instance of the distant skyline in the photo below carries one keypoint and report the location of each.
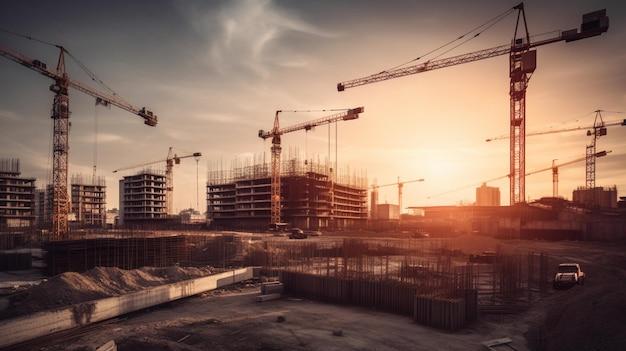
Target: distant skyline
(215, 72)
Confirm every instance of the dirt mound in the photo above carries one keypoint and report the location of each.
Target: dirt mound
(70, 288)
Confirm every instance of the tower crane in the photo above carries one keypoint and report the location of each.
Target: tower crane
(276, 133)
(599, 129)
(400, 186)
(572, 129)
(522, 63)
(61, 127)
(555, 169)
(170, 161)
(596, 130)
(555, 174)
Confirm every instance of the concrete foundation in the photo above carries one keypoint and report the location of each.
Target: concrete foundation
(21, 329)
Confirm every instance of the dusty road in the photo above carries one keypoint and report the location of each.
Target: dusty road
(235, 321)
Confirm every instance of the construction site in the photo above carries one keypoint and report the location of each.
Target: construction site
(313, 197)
(299, 254)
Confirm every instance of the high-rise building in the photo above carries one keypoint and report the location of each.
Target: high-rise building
(17, 196)
(88, 201)
(487, 196)
(142, 197)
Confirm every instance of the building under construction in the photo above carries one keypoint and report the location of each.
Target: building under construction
(312, 197)
(17, 196)
(596, 196)
(87, 205)
(142, 197)
(88, 201)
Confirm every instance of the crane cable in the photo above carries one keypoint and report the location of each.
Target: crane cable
(26, 37)
(82, 66)
(487, 25)
(95, 144)
(50, 160)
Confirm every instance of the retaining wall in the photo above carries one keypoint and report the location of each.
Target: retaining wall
(40, 324)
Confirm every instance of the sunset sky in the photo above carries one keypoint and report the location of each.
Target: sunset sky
(215, 72)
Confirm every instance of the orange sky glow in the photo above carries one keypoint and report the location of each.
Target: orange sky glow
(215, 73)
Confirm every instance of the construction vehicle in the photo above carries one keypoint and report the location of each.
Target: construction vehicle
(400, 186)
(522, 63)
(171, 160)
(276, 133)
(61, 127)
(596, 130)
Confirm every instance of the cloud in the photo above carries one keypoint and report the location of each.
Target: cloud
(247, 34)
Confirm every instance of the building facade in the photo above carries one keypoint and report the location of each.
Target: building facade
(487, 196)
(142, 198)
(17, 196)
(43, 213)
(240, 198)
(387, 212)
(88, 201)
(596, 197)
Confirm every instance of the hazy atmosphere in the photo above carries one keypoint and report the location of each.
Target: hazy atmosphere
(215, 72)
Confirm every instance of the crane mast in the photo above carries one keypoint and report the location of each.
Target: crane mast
(599, 129)
(276, 133)
(60, 115)
(522, 63)
(60, 142)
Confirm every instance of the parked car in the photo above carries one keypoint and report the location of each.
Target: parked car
(297, 233)
(568, 275)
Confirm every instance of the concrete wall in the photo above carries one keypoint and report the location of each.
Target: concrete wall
(40, 324)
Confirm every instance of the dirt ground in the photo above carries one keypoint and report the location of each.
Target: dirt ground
(588, 317)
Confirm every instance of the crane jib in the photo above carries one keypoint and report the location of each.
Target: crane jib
(593, 24)
(60, 210)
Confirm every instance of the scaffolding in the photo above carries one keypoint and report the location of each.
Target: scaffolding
(17, 197)
(291, 166)
(88, 200)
